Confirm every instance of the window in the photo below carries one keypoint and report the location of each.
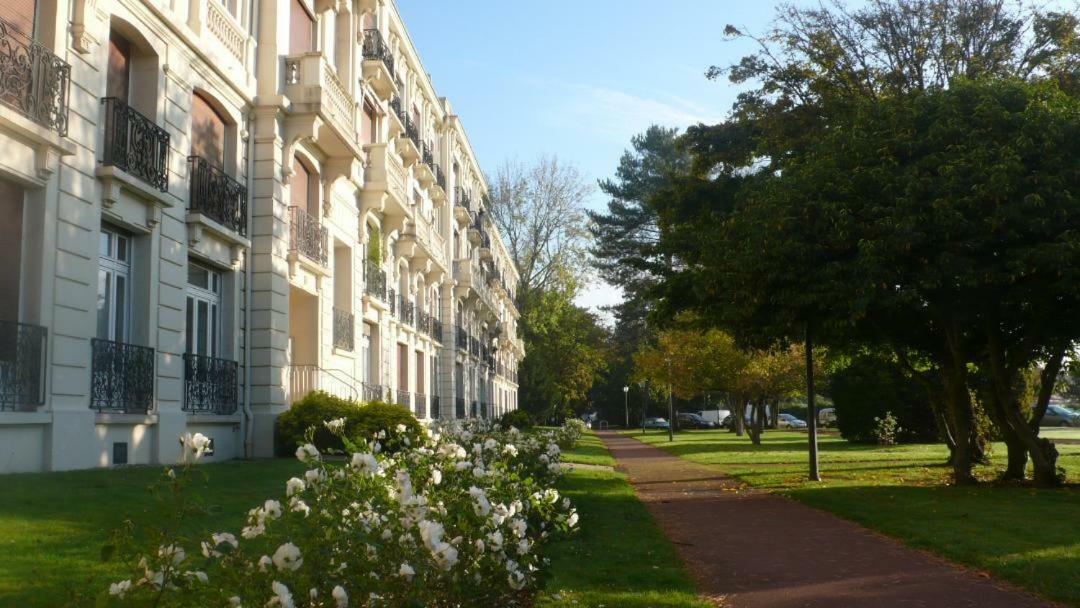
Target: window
(203, 311)
(20, 13)
(301, 29)
(118, 77)
(366, 360)
(403, 367)
(367, 124)
(11, 228)
(304, 189)
(420, 371)
(207, 131)
(114, 285)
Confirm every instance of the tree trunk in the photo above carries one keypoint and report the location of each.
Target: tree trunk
(1016, 469)
(757, 421)
(961, 415)
(739, 411)
(774, 420)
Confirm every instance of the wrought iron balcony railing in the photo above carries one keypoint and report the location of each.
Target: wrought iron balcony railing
(459, 407)
(218, 196)
(33, 81)
(461, 337)
(395, 107)
(428, 154)
(463, 197)
(210, 385)
(391, 300)
(372, 392)
(22, 366)
(412, 131)
(375, 48)
(436, 329)
(374, 280)
(440, 176)
(135, 144)
(420, 405)
(121, 377)
(403, 398)
(307, 236)
(344, 330)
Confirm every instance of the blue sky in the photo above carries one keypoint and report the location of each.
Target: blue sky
(578, 79)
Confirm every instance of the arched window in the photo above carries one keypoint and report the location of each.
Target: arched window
(304, 187)
(208, 128)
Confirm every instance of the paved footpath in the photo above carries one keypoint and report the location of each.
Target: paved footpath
(748, 548)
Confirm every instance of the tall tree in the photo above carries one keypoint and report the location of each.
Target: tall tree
(539, 210)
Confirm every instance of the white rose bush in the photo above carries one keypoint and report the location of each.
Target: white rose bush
(459, 517)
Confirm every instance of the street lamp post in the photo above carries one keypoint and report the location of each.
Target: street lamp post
(644, 405)
(626, 404)
(670, 406)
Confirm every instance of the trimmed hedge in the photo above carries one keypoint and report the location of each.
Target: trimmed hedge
(362, 421)
(519, 419)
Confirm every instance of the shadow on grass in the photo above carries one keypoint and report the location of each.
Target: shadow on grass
(1026, 536)
(619, 557)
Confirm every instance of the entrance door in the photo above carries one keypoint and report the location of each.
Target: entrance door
(203, 311)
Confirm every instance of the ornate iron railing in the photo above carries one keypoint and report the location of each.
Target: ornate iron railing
(436, 329)
(461, 337)
(459, 407)
(307, 236)
(344, 330)
(428, 155)
(395, 107)
(218, 196)
(22, 365)
(412, 131)
(374, 280)
(403, 398)
(121, 377)
(375, 48)
(420, 405)
(436, 407)
(135, 144)
(391, 301)
(440, 176)
(33, 80)
(372, 392)
(210, 385)
(463, 198)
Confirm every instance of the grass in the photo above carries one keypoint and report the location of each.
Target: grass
(590, 450)
(53, 525)
(1028, 536)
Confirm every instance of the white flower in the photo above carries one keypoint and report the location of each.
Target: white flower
(294, 486)
(307, 453)
(495, 539)
(481, 505)
(265, 562)
(299, 506)
(336, 425)
(198, 443)
(287, 557)
(210, 549)
(198, 575)
(523, 546)
(479, 544)
(172, 552)
(366, 464)
(340, 597)
(234, 601)
(406, 571)
(518, 526)
(517, 580)
(573, 519)
(400, 428)
(314, 476)
(272, 509)
(282, 596)
(510, 449)
(436, 476)
(254, 531)
(446, 556)
(119, 589)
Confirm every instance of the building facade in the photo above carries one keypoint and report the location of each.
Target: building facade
(210, 208)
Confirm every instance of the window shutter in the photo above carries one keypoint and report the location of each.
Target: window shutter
(19, 13)
(207, 131)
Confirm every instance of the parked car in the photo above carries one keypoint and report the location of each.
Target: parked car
(787, 421)
(656, 423)
(720, 417)
(827, 416)
(688, 420)
(1057, 415)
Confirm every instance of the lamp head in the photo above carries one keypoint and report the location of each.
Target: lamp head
(626, 389)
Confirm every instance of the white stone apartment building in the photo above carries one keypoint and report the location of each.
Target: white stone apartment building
(209, 208)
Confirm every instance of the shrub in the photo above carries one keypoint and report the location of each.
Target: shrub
(886, 428)
(519, 419)
(460, 518)
(869, 387)
(362, 422)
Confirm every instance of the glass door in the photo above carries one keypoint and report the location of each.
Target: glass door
(203, 311)
(114, 285)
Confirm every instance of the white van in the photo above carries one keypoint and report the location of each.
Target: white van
(717, 416)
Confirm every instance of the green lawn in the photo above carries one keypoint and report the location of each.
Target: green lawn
(590, 450)
(1030, 537)
(53, 525)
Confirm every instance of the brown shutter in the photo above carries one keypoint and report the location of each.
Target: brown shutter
(367, 124)
(300, 185)
(301, 29)
(207, 131)
(403, 367)
(11, 220)
(119, 70)
(19, 13)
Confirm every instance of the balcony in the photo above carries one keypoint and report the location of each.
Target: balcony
(462, 205)
(406, 310)
(423, 170)
(22, 366)
(307, 237)
(344, 330)
(135, 145)
(217, 196)
(372, 392)
(403, 398)
(461, 338)
(420, 406)
(374, 280)
(121, 377)
(438, 188)
(378, 64)
(384, 182)
(312, 85)
(210, 385)
(408, 144)
(396, 116)
(33, 81)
